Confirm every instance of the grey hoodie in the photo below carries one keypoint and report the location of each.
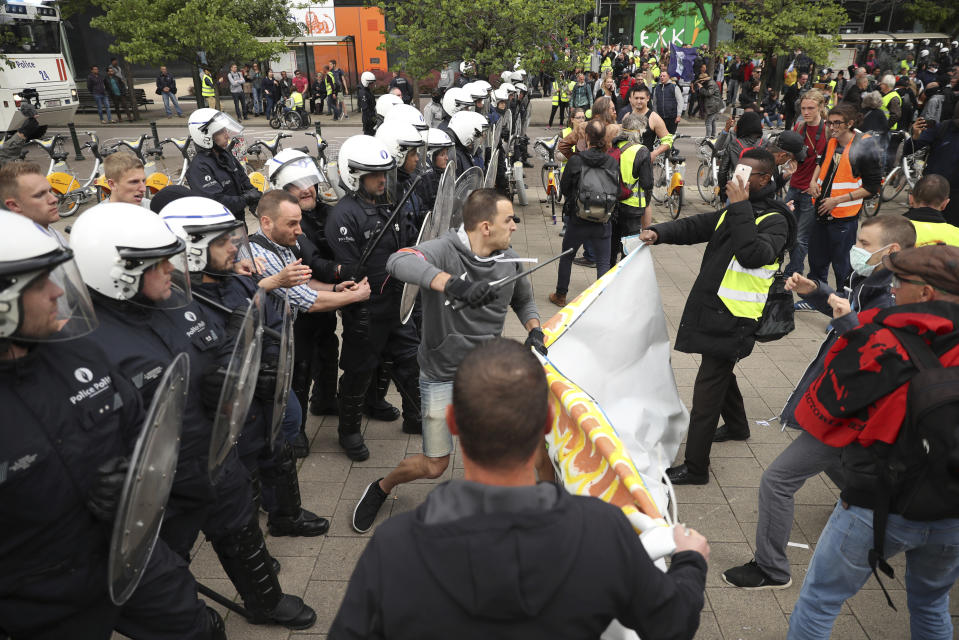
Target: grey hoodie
(449, 335)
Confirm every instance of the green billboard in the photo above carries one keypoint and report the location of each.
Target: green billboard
(684, 30)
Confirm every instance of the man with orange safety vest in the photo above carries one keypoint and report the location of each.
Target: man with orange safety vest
(848, 172)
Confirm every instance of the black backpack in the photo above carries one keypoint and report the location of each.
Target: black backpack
(920, 471)
(597, 195)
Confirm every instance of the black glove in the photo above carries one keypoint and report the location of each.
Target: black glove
(474, 294)
(266, 382)
(211, 385)
(104, 496)
(252, 196)
(537, 340)
(354, 272)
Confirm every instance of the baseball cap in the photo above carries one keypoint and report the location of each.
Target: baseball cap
(790, 142)
(936, 264)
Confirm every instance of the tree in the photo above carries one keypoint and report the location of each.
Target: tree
(934, 15)
(711, 12)
(494, 33)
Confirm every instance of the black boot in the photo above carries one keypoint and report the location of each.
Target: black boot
(352, 393)
(289, 518)
(217, 628)
(376, 405)
(406, 376)
(245, 559)
(301, 389)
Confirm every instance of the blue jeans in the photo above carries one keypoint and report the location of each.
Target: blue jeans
(840, 567)
(256, 102)
(829, 244)
(334, 106)
(103, 103)
(577, 233)
(268, 105)
(805, 215)
(169, 97)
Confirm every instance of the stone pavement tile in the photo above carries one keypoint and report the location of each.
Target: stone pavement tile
(811, 518)
(359, 478)
(722, 556)
(337, 558)
(736, 472)
(342, 523)
(293, 546)
(691, 494)
(715, 521)
(296, 573)
(320, 497)
(770, 376)
(325, 597)
(205, 565)
(766, 453)
(744, 501)
(383, 453)
(730, 449)
(757, 409)
(409, 496)
(877, 618)
(766, 434)
(325, 441)
(708, 627)
(324, 466)
(747, 615)
(379, 430)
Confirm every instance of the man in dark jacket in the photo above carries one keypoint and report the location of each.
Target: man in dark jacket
(501, 556)
(271, 92)
(806, 456)
(859, 403)
(746, 245)
(166, 87)
(117, 90)
(401, 83)
(98, 90)
(579, 230)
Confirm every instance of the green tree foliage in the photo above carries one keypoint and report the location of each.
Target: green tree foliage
(711, 11)
(491, 32)
(935, 15)
(777, 27)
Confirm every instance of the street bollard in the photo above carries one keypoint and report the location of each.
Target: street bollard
(156, 135)
(318, 127)
(76, 141)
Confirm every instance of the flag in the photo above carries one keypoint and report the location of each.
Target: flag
(618, 418)
(681, 62)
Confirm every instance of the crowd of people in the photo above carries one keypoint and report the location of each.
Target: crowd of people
(140, 280)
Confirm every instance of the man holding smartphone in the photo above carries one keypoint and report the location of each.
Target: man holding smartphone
(942, 139)
(746, 243)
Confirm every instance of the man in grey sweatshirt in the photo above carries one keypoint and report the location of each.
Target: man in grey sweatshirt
(456, 269)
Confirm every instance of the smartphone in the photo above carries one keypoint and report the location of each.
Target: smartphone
(742, 171)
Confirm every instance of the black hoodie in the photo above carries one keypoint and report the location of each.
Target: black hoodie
(477, 561)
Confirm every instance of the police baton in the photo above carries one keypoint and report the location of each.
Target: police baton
(273, 333)
(379, 236)
(499, 284)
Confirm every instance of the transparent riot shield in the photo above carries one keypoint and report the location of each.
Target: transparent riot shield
(410, 291)
(148, 482)
(443, 208)
(238, 385)
(284, 374)
(468, 182)
(489, 181)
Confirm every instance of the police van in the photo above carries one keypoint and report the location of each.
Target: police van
(33, 59)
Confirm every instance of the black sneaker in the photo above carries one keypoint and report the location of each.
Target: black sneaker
(369, 505)
(750, 576)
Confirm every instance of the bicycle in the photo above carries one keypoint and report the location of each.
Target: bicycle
(184, 146)
(707, 174)
(159, 172)
(906, 173)
(668, 179)
(255, 170)
(285, 117)
(325, 189)
(551, 171)
(71, 192)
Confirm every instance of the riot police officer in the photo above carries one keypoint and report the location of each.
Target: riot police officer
(455, 99)
(214, 171)
(466, 128)
(367, 103)
(361, 240)
(70, 419)
(219, 260)
(136, 270)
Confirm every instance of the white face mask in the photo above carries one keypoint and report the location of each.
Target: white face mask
(859, 259)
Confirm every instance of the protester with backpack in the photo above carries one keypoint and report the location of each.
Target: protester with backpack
(736, 139)
(888, 397)
(806, 456)
(590, 188)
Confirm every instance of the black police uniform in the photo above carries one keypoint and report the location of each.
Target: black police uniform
(463, 159)
(141, 342)
(367, 106)
(274, 465)
(66, 412)
(216, 174)
(372, 331)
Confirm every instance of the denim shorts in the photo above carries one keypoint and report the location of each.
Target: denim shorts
(435, 396)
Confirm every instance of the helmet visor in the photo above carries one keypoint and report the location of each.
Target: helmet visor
(221, 122)
(229, 254)
(163, 276)
(53, 305)
(298, 172)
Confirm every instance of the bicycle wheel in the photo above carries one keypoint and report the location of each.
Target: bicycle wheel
(894, 184)
(870, 206)
(704, 182)
(292, 121)
(275, 121)
(68, 203)
(676, 202)
(660, 183)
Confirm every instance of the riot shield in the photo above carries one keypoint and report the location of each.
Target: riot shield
(490, 181)
(443, 208)
(148, 482)
(527, 118)
(497, 132)
(239, 384)
(284, 374)
(411, 290)
(468, 182)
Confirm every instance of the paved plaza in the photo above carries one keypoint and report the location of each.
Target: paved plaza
(725, 510)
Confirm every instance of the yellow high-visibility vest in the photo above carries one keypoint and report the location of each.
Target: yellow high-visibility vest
(744, 291)
(886, 99)
(936, 232)
(206, 89)
(636, 198)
